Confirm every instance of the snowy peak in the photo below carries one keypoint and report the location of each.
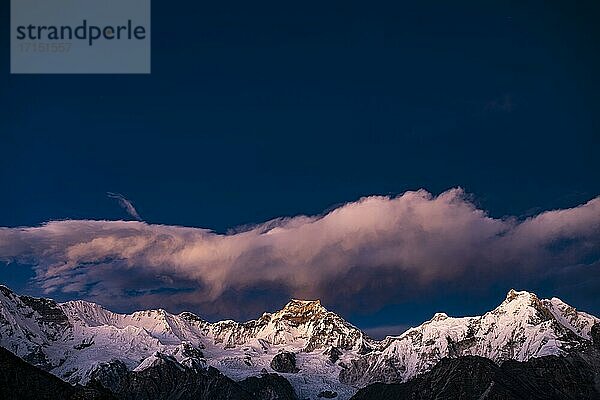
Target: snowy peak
(157, 359)
(297, 305)
(89, 314)
(518, 295)
(518, 300)
(6, 291)
(439, 316)
(28, 325)
(523, 305)
(321, 328)
(38, 319)
(304, 324)
(157, 324)
(562, 318)
(578, 322)
(520, 328)
(301, 311)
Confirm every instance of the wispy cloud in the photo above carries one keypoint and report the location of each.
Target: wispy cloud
(375, 250)
(126, 204)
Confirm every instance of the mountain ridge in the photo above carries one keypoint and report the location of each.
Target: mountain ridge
(520, 328)
(73, 339)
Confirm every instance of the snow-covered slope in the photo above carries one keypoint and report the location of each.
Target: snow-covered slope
(74, 339)
(520, 328)
(302, 320)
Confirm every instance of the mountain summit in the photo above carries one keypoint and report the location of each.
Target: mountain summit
(520, 328)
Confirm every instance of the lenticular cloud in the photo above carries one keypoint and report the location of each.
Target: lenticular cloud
(375, 246)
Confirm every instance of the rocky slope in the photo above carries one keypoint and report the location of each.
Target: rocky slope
(572, 377)
(20, 380)
(79, 341)
(165, 379)
(308, 321)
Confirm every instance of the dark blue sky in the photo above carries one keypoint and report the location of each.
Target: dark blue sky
(258, 111)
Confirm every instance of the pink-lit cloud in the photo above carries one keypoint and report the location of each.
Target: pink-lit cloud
(376, 246)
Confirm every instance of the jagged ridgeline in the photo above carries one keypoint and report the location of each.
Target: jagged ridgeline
(315, 350)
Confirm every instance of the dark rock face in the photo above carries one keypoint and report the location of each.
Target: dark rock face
(50, 315)
(461, 378)
(334, 354)
(38, 358)
(471, 377)
(327, 394)
(167, 379)
(269, 387)
(285, 362)
(191, 351)
(389, 370)
(7, 292)
(110, 375)
(22, 381)
(595, 332)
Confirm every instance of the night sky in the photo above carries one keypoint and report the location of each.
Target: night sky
(254, 112)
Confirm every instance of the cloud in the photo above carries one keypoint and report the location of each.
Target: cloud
(366, 253)
(125, 204)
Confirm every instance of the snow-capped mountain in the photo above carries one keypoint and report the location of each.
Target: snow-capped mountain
(76, 339)
(305, 320)
(520, 328)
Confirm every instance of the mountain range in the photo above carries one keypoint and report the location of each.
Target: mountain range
(319, 353)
